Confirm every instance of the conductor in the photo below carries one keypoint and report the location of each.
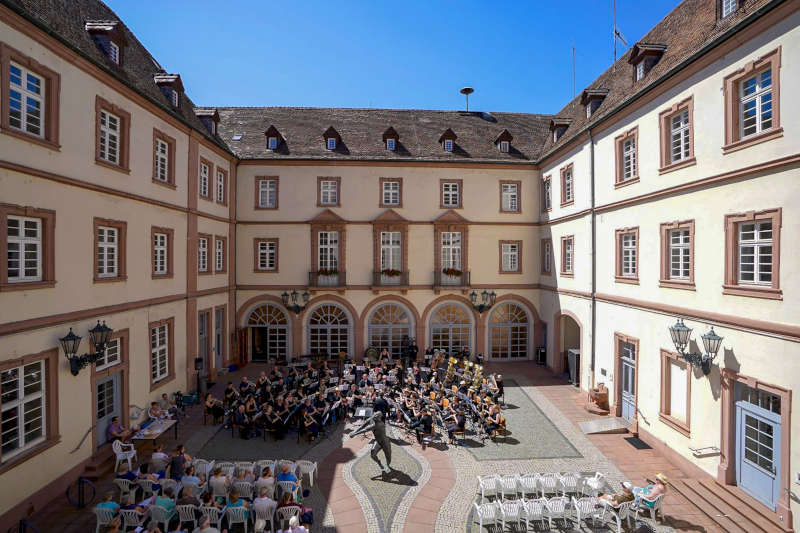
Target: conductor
(376, 424)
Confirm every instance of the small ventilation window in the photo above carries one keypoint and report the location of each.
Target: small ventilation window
(236, 137)
(639, 70)
(272, 143)
(390, 144)
(504, 146)
(113, 52)
(448, 145)
(174, 98)
(331, 143)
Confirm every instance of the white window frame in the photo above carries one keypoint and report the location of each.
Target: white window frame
(391, 192)
(328, 192)
(569, 189)
(510, 195)
(448, 145)
(548, 257)
(267, 190)
(110, 137)
(640, 70)
(328, 250)
(174, 98)
(24, 99)
(219, 258)
(160, 253)
(680, 143)
(451, 249)
(762, 245)
(267, 255)
(451, 194)
(204, 177)
(162, 160)
(159, 352)
(220, 186)
(510, 257)
(505, 146)
(23, 242)
(568, 253)
(679, 253)
(390, 144)
(272, 143)
(202, 254)
(728, 7)
(629, 266)
(107, 252)
(760, 98)
(113, 52)
(678, 387)
(628, 158)
(23, 413)
(331, 143)
(391, 250)
(548, 194)
(111, 356)
(589, 110)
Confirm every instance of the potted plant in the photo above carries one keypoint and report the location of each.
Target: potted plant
(327, 272)
(390, 272)
(448, 271)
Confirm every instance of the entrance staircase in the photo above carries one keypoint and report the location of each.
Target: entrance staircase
(728, 507)
(101, 464)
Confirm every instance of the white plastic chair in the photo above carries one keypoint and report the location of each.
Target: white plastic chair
(548, 483)
(196, 489)
(488, 485)
(287, 486)
(570, 482)
(104, 516)
(285, 513)
(124, 452)
(218, 486)
(236, 515)
(534, 510)
(557, 508)
(214, 515)
(593, 485)
(159, 515)
(507, 486)
(279, 467)
(620, 513)
(227, 467)
(586, 507)
(244, 488)
(125, 488)
(158, 463)
(260, 465)
(202, 467)
(259, 484)
(511, 511)
(528, 483)
(187, 513)
(244, 465)
(147, 487)
(131, 518)
(487, 513)
(654, 510)
(309, 468)
(266, 512)
(169, 483)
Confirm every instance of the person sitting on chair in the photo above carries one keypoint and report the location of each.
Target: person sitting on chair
(426, 423)
(230, 394)
(286, 501)
(214, 407)
(459, 425)
(108, 503)
(621, 497)
(494, 421)
(648, 494)
(167, 407)
(155, 413)
(242, 422)
(188, 498)
(115, 430)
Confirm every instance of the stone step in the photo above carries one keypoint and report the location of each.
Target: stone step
(101, 464)
(687, 490)
(604, 425)
(747, 506)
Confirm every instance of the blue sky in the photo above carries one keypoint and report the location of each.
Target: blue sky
(409, 54)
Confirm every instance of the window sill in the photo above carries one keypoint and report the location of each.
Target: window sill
(161, 382)
(29, 454)
(318, 205)
(32, 138)
(672, 284)
(168, 275)
(675, 424)
(566, 204)
(265, 208)
(167, 184)
(627, 182)
(751, 140)
(753, 292)
(265, 270)
(517, 272)
(510, 212)
(683, 163)
(206, 198)
(567, 274)
(442, 206)
(390, 206)
(547, 210)
(27, 285)
(630, 281)
(110, 280)
(224, 204)
(112, 166)
(204, 272)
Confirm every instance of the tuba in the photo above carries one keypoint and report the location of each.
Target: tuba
(478, 378)
(451, 367)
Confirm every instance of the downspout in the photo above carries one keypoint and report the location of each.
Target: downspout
(594, 255)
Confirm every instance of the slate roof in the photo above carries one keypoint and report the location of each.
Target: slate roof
(362, 130)
(686, 30)
(66, 19)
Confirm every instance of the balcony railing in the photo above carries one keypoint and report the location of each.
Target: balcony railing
(379, 279)
(315, 279)
(440, 279)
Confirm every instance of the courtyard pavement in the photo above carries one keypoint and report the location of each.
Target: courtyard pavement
(432, 489)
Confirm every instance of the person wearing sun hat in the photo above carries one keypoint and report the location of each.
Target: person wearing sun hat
(616, 499)
(648, 495)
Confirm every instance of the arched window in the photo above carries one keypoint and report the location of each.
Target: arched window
(328, 330)
(388, 325)
(508, 332)
(270, 333)
(451, 328)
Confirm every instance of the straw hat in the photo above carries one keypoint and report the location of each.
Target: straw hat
(662, 478)
(627, 486)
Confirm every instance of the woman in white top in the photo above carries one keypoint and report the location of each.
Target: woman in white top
(266, 481)
(294, 526)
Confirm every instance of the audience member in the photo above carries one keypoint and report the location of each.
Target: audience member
(115, 430)
(108, 502)
(177, 463)
(188, 498)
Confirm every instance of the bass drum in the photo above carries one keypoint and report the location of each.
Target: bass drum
(371, 354)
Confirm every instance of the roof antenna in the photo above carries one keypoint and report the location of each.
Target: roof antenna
(573, 71)
(466, 91)
(617, 34)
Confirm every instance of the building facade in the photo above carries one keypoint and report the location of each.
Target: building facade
(663, 191)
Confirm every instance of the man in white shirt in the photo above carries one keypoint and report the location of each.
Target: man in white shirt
(264, 499)
(204, 526)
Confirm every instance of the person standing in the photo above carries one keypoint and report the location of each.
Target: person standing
(176, 468)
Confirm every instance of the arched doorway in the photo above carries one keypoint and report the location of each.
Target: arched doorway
(269, 333)
(329, 330)
(450, 328)
(387, 325)
(567, 337)
(509, 332)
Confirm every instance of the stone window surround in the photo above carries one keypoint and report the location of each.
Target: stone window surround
(617, 407)
(48, 218)
(518, 183)
(341, 227)
(664, 280)
(665, 136)
(211, 179)
(563, 172)
(160, 135)
(52, 81)
(338, 180)
(224, 172)
(51, 361)
(667, 359)
(730, 90)
(442, 227)
(122, 230)
(460, 183)
(209, 254)
(500, 257)
(545, 180)
(543, 244)
(170, 251)
(224, 330)
(380, 191)
(618, 276)
(101, 104)
(619, 158)
(398, 226)
(564, 240)
(258, 180)
(256, 242)
(224, 240)
(170, 322)
(731, 285)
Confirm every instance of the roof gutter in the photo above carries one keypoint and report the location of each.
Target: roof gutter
(593, 221)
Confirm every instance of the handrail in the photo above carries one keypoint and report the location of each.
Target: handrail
(78, 447)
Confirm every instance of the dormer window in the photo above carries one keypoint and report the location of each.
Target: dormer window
(591, 100)
(272, 143)
(174, 98)
(390, 138)
(643, 57)
(113, 52)
(448, 140)
(390, 144)
(209, 117)
(332, 138)
(171, 86)
(448, 145)
(503, 142)
(109, 38)
(331, 143)
(639, 70)
(504, 146)
(728, 7)
(558, 126)
(273, 138)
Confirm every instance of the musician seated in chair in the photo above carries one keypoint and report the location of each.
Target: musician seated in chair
(460, 424)
(309, 419)
(242, 422)
(230, 394)
(425, 422)
(245, 387)
(495, 421)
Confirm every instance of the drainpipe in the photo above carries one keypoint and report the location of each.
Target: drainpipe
(594, 254)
